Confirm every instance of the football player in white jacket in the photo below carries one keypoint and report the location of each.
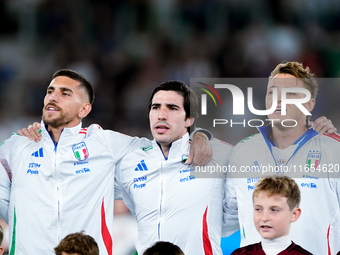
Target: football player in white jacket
(311, 159)
(63, 183)
(167, 198)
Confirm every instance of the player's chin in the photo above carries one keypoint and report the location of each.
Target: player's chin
(276, 115)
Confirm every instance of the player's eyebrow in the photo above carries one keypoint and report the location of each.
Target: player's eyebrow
(63, 89)
(172, 105)
(167, 105)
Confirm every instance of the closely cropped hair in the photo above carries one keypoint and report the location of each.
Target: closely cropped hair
(164, 248)
(1, 234)
(190, 97)
(280, 185)
(296, 69)
(78, 77)
(77, 243)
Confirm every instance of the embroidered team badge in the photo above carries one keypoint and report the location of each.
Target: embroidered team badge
(80, 151)
(184, 158)
(313, 159)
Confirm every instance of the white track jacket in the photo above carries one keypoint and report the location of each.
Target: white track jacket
(58, 189)
(318, 228)
(168, 201)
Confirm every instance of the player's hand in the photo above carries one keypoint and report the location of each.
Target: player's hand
(32, 132)
(323, 125)
(200, 150)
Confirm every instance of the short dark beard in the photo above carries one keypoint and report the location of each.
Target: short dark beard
(56, 123)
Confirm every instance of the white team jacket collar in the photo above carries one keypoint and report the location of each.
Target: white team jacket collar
(176, 147)
(66, 134)
(265, 132)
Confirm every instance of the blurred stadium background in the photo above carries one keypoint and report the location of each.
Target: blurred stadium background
(128, 47)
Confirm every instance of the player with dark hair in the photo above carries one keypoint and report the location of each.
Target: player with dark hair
(168, 201)
(63, 183)
(164, 248)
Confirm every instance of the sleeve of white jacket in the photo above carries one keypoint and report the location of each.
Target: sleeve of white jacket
(118, 190)
(6, 159)
(118, 144)
(230, 207)
(9, 150)
(222, 153)
(230, 210)
(334, 180)
(204, 131)
(5, 191)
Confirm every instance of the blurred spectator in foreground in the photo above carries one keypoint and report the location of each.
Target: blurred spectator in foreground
(3, 237)
(163, 248)
(77, 244)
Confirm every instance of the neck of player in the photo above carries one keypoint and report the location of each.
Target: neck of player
(165, 149)
(283, 137)
(55, 132)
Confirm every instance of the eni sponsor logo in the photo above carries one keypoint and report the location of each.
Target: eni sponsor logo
(83, 171)
(187, 178)
(310, 185)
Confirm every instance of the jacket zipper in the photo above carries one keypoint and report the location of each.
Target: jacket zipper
(58, 192)
(160, 202)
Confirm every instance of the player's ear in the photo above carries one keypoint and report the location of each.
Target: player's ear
(189, 121)
(295, 214)
(84, 110)
(310, 105)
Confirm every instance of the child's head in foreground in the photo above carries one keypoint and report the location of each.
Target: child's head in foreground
(276, 202)
(1, 238)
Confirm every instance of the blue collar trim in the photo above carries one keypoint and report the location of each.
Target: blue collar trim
(265, 131)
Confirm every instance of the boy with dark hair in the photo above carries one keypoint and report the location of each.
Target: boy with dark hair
(276, 202)
(1, 238)
(77, 243)
(164, 248)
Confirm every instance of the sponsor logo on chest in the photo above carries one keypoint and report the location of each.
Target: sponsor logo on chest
(251, 182)
(33, 168)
